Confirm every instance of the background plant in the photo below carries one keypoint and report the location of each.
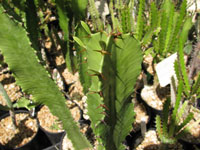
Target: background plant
(164, 28)
(121, 19)
(70, 13)
(157, 25)
(172, 126)
(191, 87)
(45, 19)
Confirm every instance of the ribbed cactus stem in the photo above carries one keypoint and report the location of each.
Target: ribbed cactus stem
(34, 79)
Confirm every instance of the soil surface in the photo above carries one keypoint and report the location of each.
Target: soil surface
(140, 113)
(50, 122)
(25, 131)
(193, 136)
(11, 88)
(152, 142)
(155, 96)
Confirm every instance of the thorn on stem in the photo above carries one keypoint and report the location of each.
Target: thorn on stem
(96, 92)
(103, 105)
(83, 50)
(104, 113)
(100, 75)
(103, 52)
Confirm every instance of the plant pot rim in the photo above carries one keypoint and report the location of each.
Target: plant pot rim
(61, 142)
(53, 147)
(42, 127)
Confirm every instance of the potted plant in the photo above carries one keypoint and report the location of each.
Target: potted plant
(10, 86)
(33, 78)
(191, 92)
(163, 39)
(109, 85)
(52, 126)
(18, 130)
(142, 113)
(171, 128)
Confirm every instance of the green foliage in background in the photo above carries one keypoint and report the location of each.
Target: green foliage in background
(191, 88)
(70, 11)
(164, 29)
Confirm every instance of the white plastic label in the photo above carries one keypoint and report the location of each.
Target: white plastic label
(165, 70)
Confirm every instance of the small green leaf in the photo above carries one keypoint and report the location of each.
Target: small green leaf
(140, 20)
(149, 51)
(183, 38)
(5, 96)
(185, 122)
(187, 128)
(77, 40)
(85, 26)
(181, 111)
(22, 103)
(174, 113)
(177, 71)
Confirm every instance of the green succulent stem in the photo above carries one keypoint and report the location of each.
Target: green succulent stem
(113, 64)
(34, 79)
(9, 104)
(5, 97)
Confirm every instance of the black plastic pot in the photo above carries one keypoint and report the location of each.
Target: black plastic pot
(186, 145)
(53, 147)
(54, 137)
(186, 142)
(43, 140)
(31, 145)
(61, 142)
(2, 112)
(189, 138)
